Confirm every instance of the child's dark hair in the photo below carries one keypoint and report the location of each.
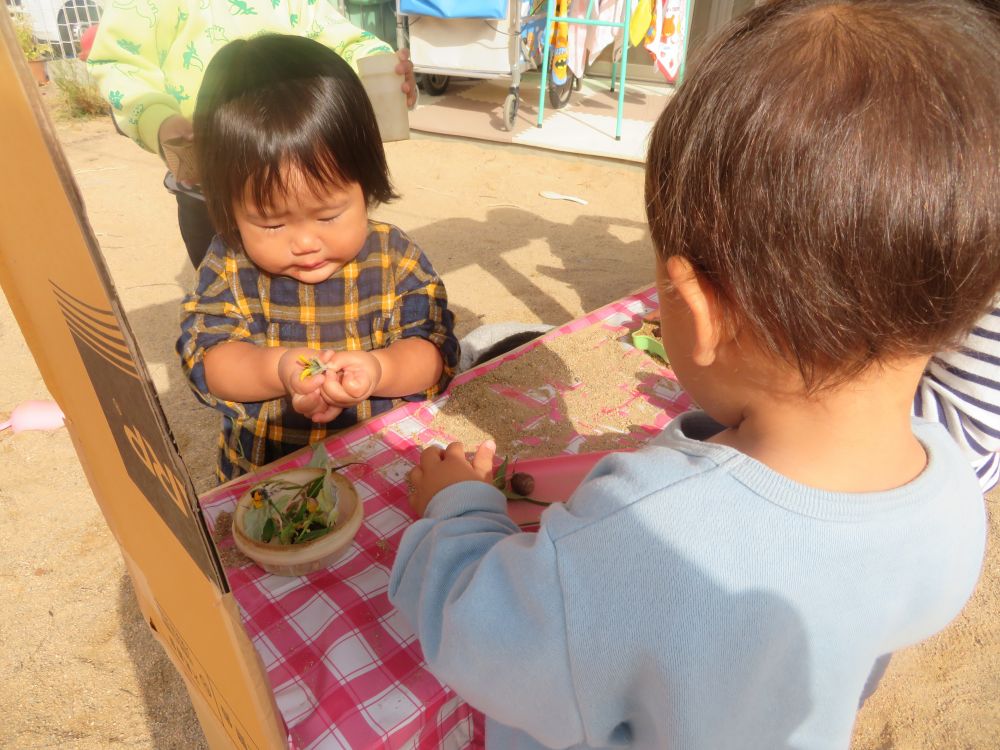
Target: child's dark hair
(278, 100)
(832, 167)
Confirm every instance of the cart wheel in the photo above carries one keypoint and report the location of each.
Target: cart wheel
(435, 85)
(509, 111)
(577, 83)
(559, 94)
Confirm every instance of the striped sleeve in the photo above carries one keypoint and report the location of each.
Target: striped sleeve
(961, 390)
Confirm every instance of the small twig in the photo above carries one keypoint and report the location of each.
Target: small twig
(349, 463)
(533, 501)
(439, 192)
(98, 169)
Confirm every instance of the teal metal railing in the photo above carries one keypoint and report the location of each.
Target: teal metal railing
(551, 20)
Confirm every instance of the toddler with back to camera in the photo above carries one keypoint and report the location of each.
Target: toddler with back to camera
(822, 192)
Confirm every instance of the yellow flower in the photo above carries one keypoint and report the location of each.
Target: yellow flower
(311, 505)
(257, 498)
(310, 366)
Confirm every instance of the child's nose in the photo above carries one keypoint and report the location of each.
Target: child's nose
(305, 241)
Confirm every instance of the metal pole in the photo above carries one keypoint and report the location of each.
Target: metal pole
(687, 36)
(621, 68)
(550, 7)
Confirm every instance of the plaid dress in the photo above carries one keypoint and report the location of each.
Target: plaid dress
(388, 292)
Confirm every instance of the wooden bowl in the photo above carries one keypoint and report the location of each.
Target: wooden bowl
(300, 559)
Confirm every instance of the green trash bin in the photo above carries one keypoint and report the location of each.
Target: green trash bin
(375, 16)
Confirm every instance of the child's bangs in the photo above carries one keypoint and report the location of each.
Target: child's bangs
(265, 185)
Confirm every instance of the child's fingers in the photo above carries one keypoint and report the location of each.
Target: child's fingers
(306, 404)
(454, 451)
(334, 393)
(415, 475)
(482, 462)
(326, 414)
(355, 383)
(430, 456)
(308, 386)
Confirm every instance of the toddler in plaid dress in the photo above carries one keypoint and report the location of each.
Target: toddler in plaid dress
(291, 160)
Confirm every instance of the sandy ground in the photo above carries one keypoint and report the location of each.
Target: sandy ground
(80, 669)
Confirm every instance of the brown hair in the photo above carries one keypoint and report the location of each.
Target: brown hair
(279, 100)
(832, 167)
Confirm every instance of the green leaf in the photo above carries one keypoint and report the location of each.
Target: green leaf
(313, 488)
(500, 477)
(267, 532)
(286, 534)
(253, 521)
(328, 499)
(308, 536)
(319, 457)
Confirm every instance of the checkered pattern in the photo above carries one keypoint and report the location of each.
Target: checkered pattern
(346, 670)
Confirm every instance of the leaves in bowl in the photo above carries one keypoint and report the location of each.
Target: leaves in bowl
(285, 512)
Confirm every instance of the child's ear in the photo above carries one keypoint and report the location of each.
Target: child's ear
(702, 303)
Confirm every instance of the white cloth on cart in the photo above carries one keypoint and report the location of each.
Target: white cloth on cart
(586, 43)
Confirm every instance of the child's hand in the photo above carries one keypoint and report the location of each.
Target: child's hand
(351, 377)
(306, 393)
(442, 468)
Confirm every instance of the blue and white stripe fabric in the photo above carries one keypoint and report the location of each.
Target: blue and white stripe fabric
(961, 390)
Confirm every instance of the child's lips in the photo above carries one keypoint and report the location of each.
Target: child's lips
(310, 266)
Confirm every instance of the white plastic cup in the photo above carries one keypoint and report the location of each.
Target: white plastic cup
(384, 88)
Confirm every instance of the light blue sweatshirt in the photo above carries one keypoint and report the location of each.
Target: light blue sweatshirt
(687, 597)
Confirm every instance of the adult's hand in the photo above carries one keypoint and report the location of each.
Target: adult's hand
(174, 127)
(405, 68)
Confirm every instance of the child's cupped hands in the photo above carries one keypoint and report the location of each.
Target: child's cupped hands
(440, 468)
(305, 387)
(351, 377)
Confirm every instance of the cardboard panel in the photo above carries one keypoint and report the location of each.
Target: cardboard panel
(131, 409)
(58, 288)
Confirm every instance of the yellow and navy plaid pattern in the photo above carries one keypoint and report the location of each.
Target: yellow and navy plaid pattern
(388, 292)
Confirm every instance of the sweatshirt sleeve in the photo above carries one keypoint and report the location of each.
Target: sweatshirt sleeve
(961, 390)
(126, 61)
(486, 603)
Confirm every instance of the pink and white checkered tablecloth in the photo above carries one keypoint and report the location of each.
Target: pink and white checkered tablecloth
(346, 669)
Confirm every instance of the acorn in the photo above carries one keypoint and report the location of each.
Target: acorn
(522, 483)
